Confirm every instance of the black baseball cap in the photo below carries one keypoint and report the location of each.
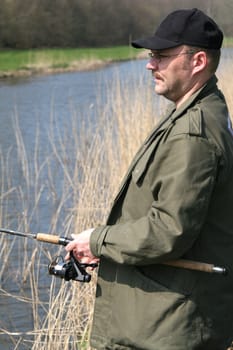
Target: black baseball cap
(184, 27)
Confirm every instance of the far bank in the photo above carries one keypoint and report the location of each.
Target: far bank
(54, 60)
(48, 61)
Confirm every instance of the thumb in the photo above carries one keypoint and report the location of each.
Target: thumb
(70, 246)
(85, 232)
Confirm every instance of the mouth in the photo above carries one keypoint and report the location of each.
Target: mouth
(157, 77)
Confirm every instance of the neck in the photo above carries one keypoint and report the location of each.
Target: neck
(198, 84)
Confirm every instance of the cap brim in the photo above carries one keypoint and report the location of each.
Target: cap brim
(154, 43)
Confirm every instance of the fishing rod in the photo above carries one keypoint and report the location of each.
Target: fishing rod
(57, 264)
(42, 237)
(68, 270)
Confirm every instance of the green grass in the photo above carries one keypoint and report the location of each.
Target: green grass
(228, 42)
(14, 60)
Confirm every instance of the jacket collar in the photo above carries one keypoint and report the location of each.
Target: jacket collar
(173, 114)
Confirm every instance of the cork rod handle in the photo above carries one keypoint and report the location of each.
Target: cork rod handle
(44, 237)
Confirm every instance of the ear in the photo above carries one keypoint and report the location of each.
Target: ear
(199, 61)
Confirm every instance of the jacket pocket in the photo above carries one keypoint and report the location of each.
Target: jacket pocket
(175, 279)
(145, 313)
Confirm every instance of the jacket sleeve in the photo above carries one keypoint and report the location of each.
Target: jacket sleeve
(180, 179)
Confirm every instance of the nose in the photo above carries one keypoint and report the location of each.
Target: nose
(152, 65)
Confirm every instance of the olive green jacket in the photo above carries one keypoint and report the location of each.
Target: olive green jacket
(176, 201)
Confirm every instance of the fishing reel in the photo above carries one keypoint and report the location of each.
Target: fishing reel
(71, 269)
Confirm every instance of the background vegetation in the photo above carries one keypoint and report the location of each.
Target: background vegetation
(16, 62)
(93, 23)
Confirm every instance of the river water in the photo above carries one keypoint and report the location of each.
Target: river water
(28, 108)
(31, 106)
(32, 109)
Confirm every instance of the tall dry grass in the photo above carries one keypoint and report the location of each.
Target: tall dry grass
(225, 82)
(91, 160)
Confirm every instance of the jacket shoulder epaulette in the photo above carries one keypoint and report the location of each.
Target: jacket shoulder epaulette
(194, 117)
(190, 123)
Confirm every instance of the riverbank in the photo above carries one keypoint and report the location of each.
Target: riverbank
(16, 63)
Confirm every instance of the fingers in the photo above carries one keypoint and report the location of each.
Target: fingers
(78, 250)
(81, 244)
(74, 235)
(70, 246)
(85, 260)
(84, 234)
(67, 257)
(80, 247)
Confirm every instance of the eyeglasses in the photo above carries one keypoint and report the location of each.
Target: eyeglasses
(159, 56)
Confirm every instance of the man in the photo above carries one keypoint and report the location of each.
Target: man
(176, 201)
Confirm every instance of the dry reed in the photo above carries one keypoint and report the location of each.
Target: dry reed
(89, 177)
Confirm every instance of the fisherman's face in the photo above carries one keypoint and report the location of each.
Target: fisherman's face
(172, 72)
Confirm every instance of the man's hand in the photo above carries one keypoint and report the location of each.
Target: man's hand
(81, 247)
